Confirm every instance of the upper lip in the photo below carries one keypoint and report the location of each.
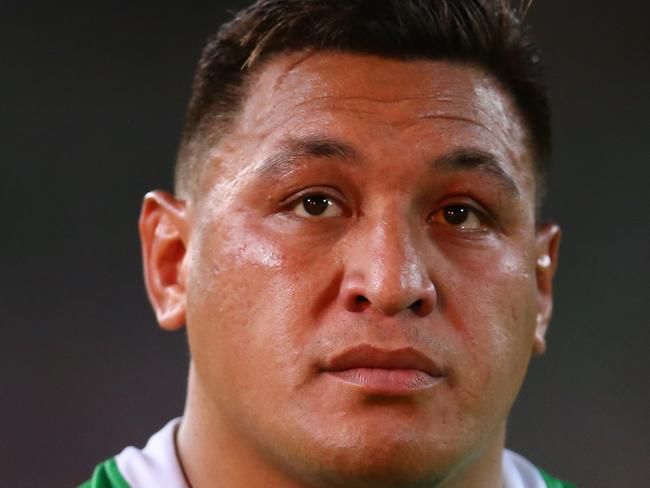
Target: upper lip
(367, 356)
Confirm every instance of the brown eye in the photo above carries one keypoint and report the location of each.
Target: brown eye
(462, 217)
(316, 205)
(455, 214)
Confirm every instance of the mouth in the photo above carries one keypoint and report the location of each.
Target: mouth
(382, 372)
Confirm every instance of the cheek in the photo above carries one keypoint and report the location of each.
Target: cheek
(493, 287)
(491, 303)
(241, 301)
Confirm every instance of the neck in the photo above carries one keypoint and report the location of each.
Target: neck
(483, 469)
(211, 448)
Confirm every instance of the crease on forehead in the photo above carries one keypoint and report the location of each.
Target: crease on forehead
(333, 104)
(294, 80)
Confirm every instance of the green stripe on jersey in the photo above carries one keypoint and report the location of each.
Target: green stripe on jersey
(106, 475)
(552, 482)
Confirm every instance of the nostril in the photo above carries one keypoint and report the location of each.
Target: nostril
(360, 299)
(360, 303)
(422, 307)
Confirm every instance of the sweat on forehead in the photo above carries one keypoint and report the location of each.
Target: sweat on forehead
(299, 97)
(306, 83)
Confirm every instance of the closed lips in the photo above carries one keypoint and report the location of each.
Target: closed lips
(370, 357)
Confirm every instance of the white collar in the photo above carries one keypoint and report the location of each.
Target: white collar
(155, 465)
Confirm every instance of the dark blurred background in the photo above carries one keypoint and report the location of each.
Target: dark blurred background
(92, 98)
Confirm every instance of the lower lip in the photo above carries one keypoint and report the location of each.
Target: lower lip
(381, 381)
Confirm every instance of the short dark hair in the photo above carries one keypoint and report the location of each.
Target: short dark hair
(486, 33)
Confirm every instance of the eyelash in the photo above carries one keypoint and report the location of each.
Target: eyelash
(295, 199)
(467, 213)
(483, 216)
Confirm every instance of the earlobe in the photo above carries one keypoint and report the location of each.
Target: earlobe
(539, 341)
(547, 251)
(163, 235)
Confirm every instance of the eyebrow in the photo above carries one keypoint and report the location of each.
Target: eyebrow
(293, 150)
(476, 160)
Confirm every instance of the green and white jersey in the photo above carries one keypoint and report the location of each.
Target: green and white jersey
(157, 466)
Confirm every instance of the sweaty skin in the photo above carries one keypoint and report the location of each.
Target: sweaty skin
(359, 204)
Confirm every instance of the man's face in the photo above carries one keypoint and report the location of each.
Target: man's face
(362, 297)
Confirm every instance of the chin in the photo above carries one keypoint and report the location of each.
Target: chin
(381, 460)
(370, 467)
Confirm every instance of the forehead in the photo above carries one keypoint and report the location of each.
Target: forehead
(375, 102)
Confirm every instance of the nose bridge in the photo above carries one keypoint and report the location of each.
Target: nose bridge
(395, 264)
(390, 274)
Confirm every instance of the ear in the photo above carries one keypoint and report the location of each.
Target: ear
(547, 249)
(164, 235)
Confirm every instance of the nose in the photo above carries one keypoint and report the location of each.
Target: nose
(386, 273)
